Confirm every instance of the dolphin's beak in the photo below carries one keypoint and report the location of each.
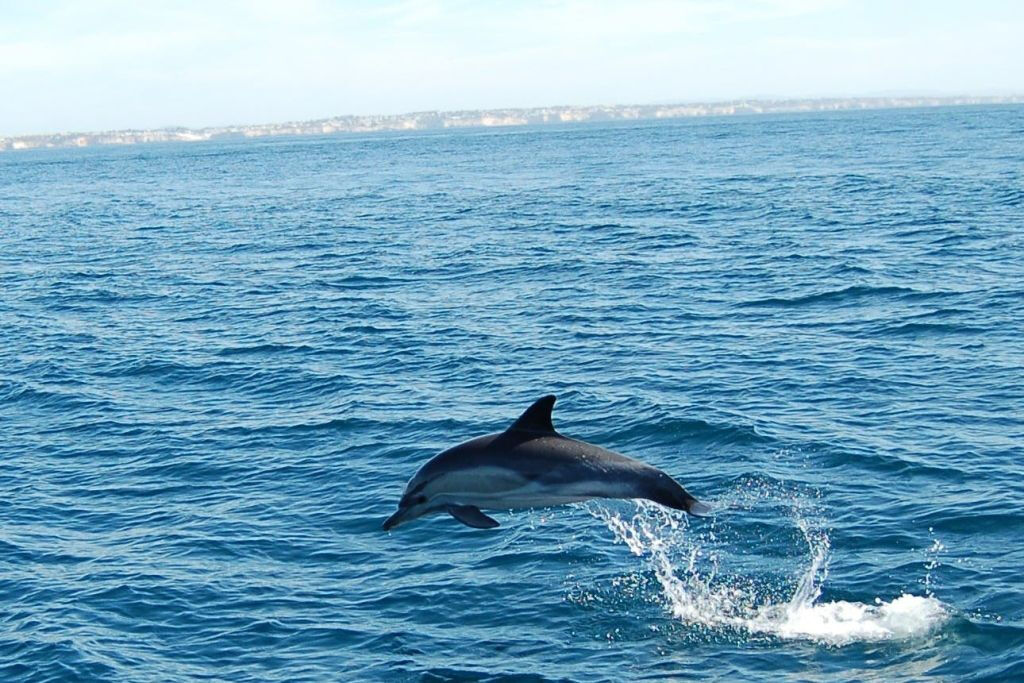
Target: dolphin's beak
(395, 519)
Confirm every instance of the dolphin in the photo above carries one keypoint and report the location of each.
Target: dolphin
(531, 465)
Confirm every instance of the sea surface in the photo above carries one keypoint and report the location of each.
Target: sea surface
(221, 362)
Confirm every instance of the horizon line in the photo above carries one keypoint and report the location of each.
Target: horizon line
(493, 117)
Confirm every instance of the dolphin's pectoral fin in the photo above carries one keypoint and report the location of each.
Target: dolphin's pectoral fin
(470, 515)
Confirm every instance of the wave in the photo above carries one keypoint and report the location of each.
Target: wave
(925, 329)
(362, 282)
(52, 398)
(1010, 197)
(265, 349)
(837, 295)
(697, 593)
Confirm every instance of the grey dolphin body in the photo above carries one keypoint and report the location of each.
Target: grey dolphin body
(531, 465)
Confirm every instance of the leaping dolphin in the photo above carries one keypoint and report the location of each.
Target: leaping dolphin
(531, 465)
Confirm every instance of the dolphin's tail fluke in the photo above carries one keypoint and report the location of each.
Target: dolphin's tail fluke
(670, 494)
(689, 504)
(698, 509)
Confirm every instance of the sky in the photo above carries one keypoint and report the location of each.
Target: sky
(111, 64)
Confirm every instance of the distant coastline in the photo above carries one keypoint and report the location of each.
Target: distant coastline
(439, 120)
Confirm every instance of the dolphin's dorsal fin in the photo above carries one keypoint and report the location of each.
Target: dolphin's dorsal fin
(537, 417)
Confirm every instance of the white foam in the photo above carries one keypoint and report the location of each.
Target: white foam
(697, 594)
(841, 622)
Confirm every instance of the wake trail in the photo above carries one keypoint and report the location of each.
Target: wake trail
(697, 592)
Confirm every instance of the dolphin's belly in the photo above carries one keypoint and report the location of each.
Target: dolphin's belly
(516, 502)
(537, 494)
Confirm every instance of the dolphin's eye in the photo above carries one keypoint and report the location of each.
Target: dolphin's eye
(419, 500)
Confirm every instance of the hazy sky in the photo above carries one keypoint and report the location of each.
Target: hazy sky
(103, 64)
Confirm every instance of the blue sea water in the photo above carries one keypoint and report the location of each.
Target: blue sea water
(221, 362)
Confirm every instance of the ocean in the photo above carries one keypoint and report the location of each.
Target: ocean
(221, 362)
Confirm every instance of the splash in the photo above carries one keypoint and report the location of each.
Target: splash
(700, 594)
